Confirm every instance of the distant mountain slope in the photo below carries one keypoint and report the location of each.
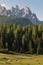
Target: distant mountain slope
(21, 21)
(3, 19)
(41, 22)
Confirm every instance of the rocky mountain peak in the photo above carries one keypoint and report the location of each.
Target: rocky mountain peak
(16, 12)
(27, 10)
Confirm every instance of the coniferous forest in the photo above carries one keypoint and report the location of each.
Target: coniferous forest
(22, 39)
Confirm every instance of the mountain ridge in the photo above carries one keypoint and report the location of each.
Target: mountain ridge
(20, 13)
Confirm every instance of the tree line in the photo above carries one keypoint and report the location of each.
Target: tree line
(22, 39)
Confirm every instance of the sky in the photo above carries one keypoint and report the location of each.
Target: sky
(36, 6)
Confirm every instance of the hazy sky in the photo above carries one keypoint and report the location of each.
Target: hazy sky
(35, 6)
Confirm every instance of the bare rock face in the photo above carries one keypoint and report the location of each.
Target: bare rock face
(3, 11)
(27, 11)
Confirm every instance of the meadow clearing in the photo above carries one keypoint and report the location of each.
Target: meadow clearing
(21, 59)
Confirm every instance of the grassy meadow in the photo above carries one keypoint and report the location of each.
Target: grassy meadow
(21, 59)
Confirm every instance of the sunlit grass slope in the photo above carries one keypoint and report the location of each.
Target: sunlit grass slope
(21, 59)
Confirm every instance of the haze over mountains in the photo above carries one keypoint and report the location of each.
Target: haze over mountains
(20, 14)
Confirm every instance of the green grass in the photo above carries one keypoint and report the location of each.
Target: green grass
(21, 59)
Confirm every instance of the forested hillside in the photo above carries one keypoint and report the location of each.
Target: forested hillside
(13, 20)
(22, 39)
